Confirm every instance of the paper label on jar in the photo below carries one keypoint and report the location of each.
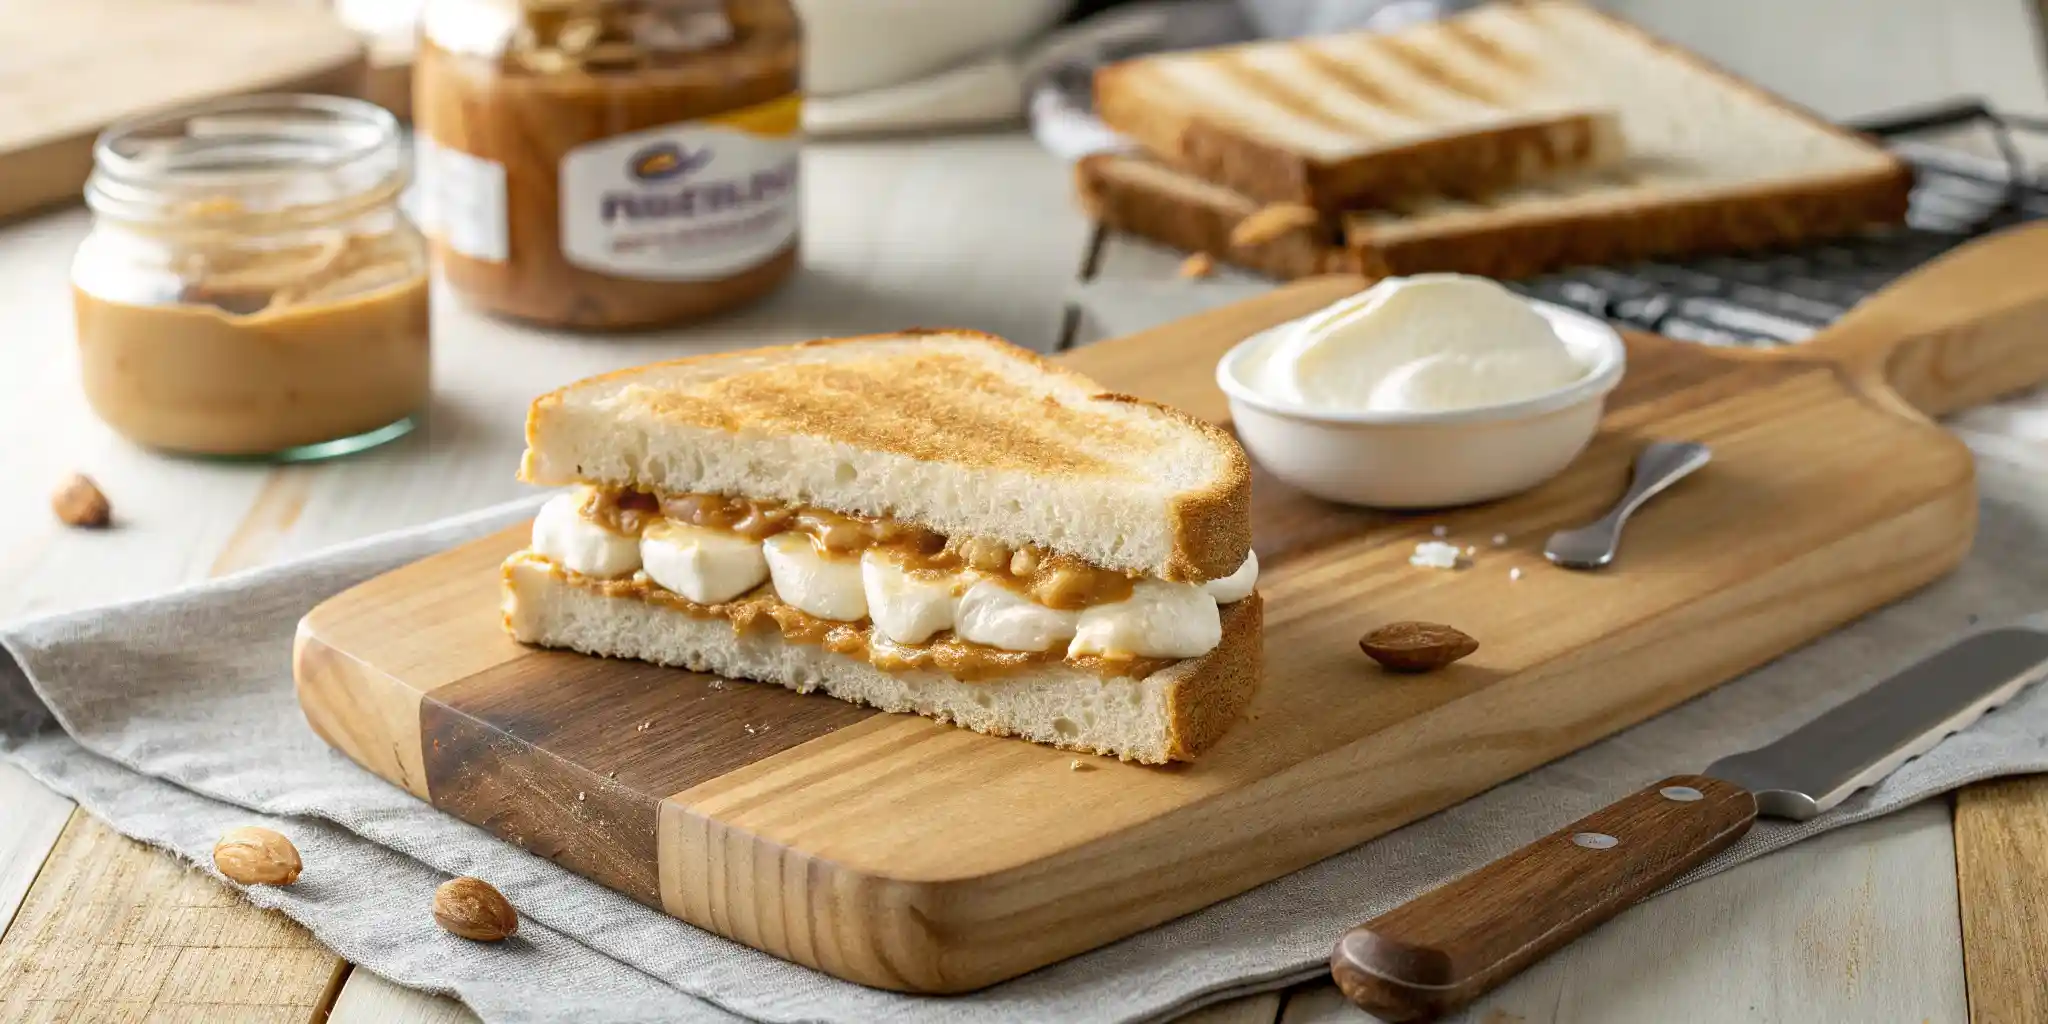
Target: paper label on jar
(684, 202)
(461, 199)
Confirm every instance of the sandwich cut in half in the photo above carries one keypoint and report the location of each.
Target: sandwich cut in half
(935, 522)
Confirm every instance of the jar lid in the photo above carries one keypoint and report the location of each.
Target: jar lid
(595, 36)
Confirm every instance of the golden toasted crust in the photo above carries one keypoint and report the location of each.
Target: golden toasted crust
(1129, 194)
(1474, 158)
(1212, 690)
(1473, 161)
(1518, 239)
(1523, 243)
(1512, 242)
(893, 404)
(1212, 527)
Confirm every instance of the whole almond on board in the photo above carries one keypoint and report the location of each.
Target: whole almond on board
(257, 856)
(78, 502)
(1416, 646)
(1270, 222)
(474, 909)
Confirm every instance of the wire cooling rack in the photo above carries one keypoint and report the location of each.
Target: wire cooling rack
(1782, 297)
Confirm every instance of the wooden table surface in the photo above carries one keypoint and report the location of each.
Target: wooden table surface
(1936, 914)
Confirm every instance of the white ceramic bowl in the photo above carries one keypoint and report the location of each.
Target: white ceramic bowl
(856, 45)
(1403, 460)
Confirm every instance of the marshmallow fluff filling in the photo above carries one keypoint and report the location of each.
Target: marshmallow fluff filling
(906, 604)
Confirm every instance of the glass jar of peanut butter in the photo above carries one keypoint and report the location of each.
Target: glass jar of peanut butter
(249, 288)
(609, 163)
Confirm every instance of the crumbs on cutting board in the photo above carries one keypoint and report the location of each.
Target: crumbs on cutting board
(1435, 554)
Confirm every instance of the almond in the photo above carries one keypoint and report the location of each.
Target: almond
(1200, 264)
(78, 502)
(1268, 223)
(474, 909)
(1416, 646)
(257, 856)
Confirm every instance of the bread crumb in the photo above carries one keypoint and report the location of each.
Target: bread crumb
(1269, 223)
(1471, 549)
(1200, 264)
(611, 775)
(1078, 765)
(750, 730)
(1500, 539)
(579, 796)
(1439, 530)
(644, 726)
(1514, 574)
(1431, 554)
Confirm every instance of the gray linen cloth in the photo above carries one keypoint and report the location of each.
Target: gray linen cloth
(173, 719)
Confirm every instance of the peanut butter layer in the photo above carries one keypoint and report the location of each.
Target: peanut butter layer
(760, 609)
(1056, 581)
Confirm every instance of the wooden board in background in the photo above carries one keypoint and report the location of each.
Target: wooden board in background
(901, 853)
(73, 68)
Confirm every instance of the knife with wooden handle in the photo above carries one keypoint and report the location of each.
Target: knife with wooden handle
(1440, 951)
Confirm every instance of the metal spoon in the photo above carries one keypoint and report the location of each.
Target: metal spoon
(1661, 464)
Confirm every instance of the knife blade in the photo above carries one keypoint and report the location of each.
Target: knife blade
(1445, 948)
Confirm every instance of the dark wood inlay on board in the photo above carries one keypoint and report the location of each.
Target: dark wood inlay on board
(548, 752)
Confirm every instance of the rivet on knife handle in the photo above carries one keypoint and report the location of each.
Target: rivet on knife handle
(1447, 947)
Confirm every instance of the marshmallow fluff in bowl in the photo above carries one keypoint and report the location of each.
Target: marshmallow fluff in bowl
(1429, 343)
(1424, 391)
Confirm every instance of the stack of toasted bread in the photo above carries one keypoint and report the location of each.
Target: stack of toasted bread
(1509, 140)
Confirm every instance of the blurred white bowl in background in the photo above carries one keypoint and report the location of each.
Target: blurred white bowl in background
(858, 45)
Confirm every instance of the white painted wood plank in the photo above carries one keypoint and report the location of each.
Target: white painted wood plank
(368, 998)
(1857, 925)
(30, 819)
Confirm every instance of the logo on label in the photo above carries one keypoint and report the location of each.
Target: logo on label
(665, 160)
(693, 201)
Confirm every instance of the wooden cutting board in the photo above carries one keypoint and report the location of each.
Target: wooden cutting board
(901, 853)
(73, 68)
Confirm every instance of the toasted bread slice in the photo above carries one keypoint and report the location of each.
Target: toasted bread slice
(1171, 715)
(1342, 120)
(1715, 164)
(1152, 200)
(956, 431)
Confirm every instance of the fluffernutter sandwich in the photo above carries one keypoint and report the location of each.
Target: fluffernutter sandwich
(934, 522)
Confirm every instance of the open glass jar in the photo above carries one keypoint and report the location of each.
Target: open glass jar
(609, 163)
(249, 287)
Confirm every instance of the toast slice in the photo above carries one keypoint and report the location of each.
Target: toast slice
(959, 432)
(1172, 714)
(1152, 200)
(1449, 106)
(1715, 164)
